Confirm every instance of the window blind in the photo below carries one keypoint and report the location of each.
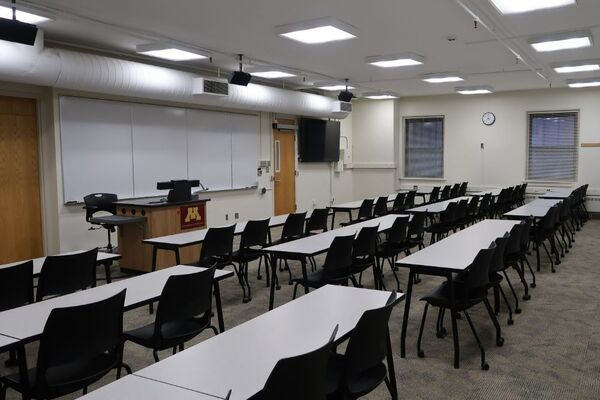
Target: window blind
(553, 139)
(424, 147)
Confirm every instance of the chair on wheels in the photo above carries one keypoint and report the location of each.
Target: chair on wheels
(255, 237)
(317, 222)
(66, 274)
(495, 276)
(398, 205)
(16, 290)
(462, 191)
(78, 346)
(409, 201)
(445, 224)
(336, 268)
(101, 202)
(301, 377)
(434, 196)
(365, 213)
(445, 195)
(363, 254)
(396, 242)
(217, 248)
(183, 312)
(381, 208)
(361, 369)
(470, 290)
(455, 191)
(293, 228)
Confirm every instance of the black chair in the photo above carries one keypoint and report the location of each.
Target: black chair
(416, 231)
(293, 228)
(317, 222)
(336, 269)
(183, 312)
(67, 273)
(472, 212)
(16, 290)
(497, 266)
(255, 237)
(460, 215)
(463, 189)
(484, 207)
(79, 346)
(365, 213)
(469, 291)
(398, 205)
(434, 196)
(300, 377)
(544, 231)
(396, 242)
(455, 191)
(381, 208)
(445, 195)
(217, 248)
(445, 224)
(362, 367)
(512, 258)
(409, 201)
(363, 254)
(101, 202)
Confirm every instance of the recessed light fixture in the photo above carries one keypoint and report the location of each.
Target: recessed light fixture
(577, 66)
(332, 86)
(468, 90)
(584, 83)
(523, 6)
(272, 74)
(168, 51)
(379, 96)
(320, 30)
(563, 41)
(396, 60)
(442, 78)
(29, 18)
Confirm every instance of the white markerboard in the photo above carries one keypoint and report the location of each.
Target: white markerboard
(125, 148)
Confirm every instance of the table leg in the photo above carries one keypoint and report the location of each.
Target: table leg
(274, 282)
(23, 373)
(107, 272)
(391, 369)
(177, 257)
(217, 293)
(304, 273)
(154, 255)
(333, 220)
(454, 325)
(409, 287)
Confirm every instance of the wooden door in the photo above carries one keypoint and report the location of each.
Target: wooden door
(284, 167)
(20, 207)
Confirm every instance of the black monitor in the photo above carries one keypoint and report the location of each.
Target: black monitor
(179, 190)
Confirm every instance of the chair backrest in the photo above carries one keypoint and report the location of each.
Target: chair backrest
(381, 206)
(67, 273)
(96, 202)
(455, 190)
(547, 222)
(565, 209)
(446, 192)
(218, 243)
(461, 209)
(16, 285)
(463, 188)
(366, 209)
(399, 202)
(365, 244)
(339, 257)
(502, 197)
(514, 243)
(89, 336)
(185, 297)
(416, 226)
(497, 263)
(300, 377)
(409, 202)
(317, 220)
(399, 230)
(473, 205)
(484, 207)
(255, 234)
(449, 214)
(477, 274)
(367, 346)
(435, 194)
(525, 233)
(293, 227)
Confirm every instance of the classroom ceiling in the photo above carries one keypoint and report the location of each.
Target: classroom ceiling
(228, 27)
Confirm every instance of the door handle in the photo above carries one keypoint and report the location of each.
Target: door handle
(276, 180)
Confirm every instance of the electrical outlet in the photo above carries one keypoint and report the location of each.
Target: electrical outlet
(226, 217)
(237, 215)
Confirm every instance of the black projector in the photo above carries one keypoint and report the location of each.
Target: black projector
(17, 31)
(240, 78)
(346, 96)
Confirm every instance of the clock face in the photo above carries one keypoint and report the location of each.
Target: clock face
(488, 118)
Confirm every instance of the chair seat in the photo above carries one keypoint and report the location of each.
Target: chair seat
(172, 333)
(67, 378)
(248, 255)
(438, 228)
(388, 249)
(354, 221)
(361, 264)
(440, 296)
(356, 386)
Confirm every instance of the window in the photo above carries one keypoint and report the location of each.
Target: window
(424, 147)
(553, 139)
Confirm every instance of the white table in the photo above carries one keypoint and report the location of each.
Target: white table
(557, 194)
(310, 246)
(494, 192)
(438, 207)
(136, 387)
(26, 323)
(536, 208)
(7, 342)
(242, 358)
(105, 259)
(347, 208)
(450, 255)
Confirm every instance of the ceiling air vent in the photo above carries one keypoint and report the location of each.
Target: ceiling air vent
(211, 87)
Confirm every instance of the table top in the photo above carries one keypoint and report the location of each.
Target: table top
(556, 194)
(495, 192)
(137, 387)
(352, 205)
(421, 191)
(537, 209)
(38, 262)
(28, 321)
(242, 358)
(437, 207)
(6, 342)
(117, 219)
(158, 202)
(316, 244)
(457, 251)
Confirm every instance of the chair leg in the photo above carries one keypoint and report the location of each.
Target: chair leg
(289, 271)
(239, 273)
(510, 317)
(391, 262)
(440, 331)
(354, 282)
(155, 354)
(214, 329)
(496, 300)
(484, 365)
(549, 257)
(517, 309)
(420, 352)
(499, 338)
(295, 290)
(247, 282)
(530, 270)
(258, 275)
(521, 271)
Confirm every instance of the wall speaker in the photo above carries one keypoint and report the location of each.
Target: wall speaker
(17, 31)
(240, 78)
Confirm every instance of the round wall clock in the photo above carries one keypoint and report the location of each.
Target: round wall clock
(488, 118)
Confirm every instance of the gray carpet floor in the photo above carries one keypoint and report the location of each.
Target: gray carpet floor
(551, 352)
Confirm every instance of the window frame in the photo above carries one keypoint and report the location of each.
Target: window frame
(528, 141)
(405, 147)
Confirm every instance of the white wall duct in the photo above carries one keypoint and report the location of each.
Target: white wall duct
(65, 69)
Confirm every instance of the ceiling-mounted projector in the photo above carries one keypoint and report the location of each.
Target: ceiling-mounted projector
(346, 96)
(15, 31)
(240, 78)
